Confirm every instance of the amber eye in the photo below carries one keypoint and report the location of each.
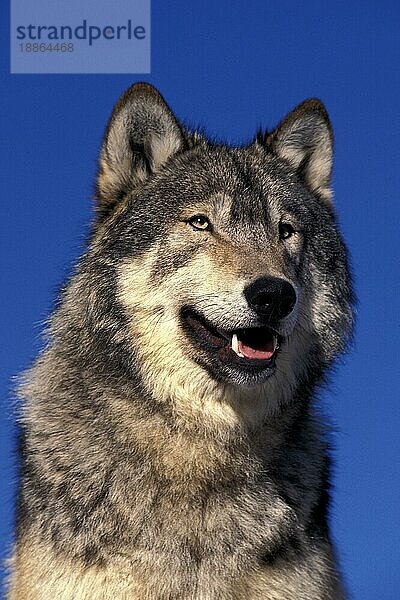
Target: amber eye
(285, 231)
(200, 222)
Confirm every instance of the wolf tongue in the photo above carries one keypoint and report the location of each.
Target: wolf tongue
(254, 344)
(249, 352)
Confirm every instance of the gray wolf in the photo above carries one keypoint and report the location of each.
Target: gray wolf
(170, 446)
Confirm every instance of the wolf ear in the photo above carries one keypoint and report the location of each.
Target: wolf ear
(304, 139)
(141, 136)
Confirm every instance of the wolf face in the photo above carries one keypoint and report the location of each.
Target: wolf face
(231, 272)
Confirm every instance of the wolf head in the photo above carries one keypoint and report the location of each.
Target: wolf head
(220, 271)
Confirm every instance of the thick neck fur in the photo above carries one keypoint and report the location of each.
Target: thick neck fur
(109, 453)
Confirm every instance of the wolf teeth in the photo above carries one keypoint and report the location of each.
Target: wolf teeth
(235, 345)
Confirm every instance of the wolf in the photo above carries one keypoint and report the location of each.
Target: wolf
(171, 447)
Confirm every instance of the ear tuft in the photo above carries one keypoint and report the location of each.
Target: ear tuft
(304, 139)
(141, 136)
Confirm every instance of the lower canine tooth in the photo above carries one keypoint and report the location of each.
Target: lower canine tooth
(235, 345)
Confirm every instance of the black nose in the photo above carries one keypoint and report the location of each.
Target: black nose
(270, 297)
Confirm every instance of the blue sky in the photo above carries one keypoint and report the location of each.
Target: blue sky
(233, 67)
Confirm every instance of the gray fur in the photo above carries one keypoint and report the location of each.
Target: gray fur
(149, 471)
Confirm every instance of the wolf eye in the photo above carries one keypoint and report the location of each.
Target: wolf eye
(200, 222)
(285, 231)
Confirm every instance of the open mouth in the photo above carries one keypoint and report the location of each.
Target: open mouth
(250, 348)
